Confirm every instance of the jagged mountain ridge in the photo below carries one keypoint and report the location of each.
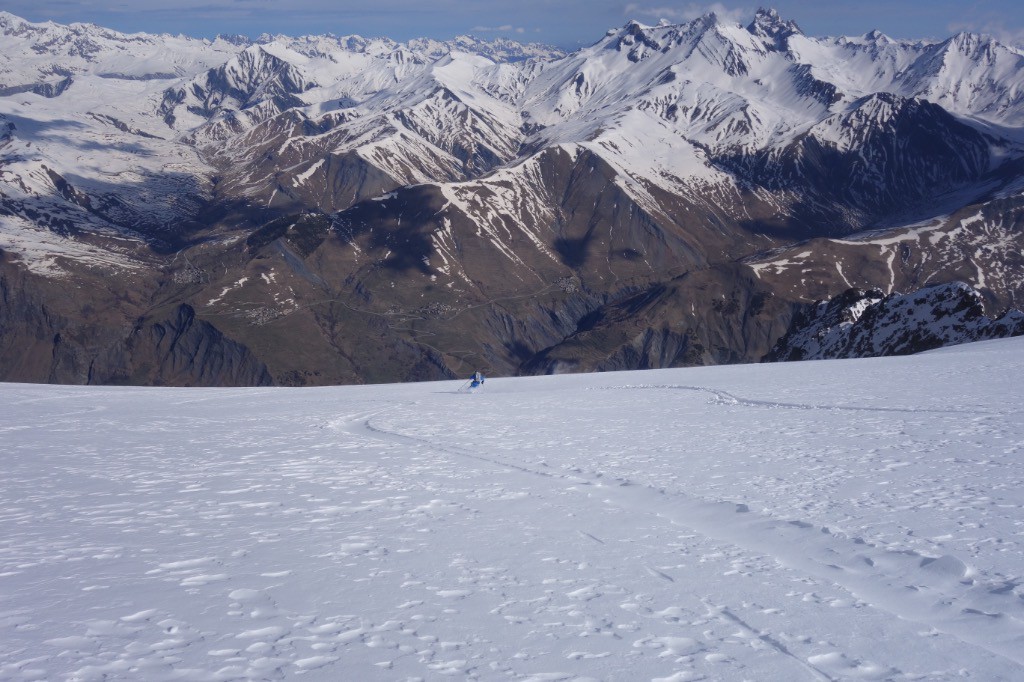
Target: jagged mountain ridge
(861, 324)
(633, 91)
(624, 181)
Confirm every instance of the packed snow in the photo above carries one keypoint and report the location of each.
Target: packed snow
(857, 519)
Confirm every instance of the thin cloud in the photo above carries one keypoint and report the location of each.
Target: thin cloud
(687, 12)
(505, 28)
(1004, 34)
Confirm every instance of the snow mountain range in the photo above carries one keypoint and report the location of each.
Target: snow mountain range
(322, 209)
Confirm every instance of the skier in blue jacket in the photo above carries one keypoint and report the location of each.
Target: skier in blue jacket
(476, 380)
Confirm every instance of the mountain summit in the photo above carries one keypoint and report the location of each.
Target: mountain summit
(768, 25)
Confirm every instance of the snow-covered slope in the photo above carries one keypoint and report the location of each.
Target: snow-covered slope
(93, 118)
(39, 53)
(689, 110)
(846, 520)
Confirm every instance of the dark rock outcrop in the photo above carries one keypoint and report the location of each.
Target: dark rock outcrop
(186, 351)
(88, 344)
(866, 323)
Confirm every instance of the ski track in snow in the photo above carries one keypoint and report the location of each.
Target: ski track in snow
(951, 599)
(841, 520)
(725, 397)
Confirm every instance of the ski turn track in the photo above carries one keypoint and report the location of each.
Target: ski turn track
(844, 520)
(940, 592)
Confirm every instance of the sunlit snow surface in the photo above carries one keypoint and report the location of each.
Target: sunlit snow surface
(823, 520)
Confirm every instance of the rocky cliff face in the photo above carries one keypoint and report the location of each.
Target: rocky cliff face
(62, 342)
(183, 351)
(861, 324)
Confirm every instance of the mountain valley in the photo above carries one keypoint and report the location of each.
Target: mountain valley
(321, 210)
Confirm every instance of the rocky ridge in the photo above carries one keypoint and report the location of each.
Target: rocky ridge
(862, 324)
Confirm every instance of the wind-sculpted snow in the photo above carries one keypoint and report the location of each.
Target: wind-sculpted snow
(846, 520)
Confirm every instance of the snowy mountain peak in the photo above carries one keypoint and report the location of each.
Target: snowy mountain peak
(257, 73)
(722, 45)
(980, 49)
(769, 26)
(876, 36)
(55, 33)
(15, 25)
(970, 43)
(234, 39)
(502, 49)
(8, 20)
(421, 50)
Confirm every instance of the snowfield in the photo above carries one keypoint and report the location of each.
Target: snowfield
(857, 519)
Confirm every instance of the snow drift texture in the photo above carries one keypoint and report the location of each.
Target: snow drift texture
(849, 520)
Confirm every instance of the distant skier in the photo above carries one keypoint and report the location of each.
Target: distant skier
(476, 381)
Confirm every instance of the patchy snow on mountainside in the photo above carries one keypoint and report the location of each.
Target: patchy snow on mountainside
(860, 324)
(42, 251)
(703, 111)
(854, 519)
(118, 117)
(541, 210)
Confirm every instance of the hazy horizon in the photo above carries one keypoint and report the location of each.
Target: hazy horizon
(569, 25)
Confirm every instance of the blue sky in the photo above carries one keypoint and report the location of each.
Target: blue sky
(566, 23)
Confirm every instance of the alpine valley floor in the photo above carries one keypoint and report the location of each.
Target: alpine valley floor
(830, 520)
